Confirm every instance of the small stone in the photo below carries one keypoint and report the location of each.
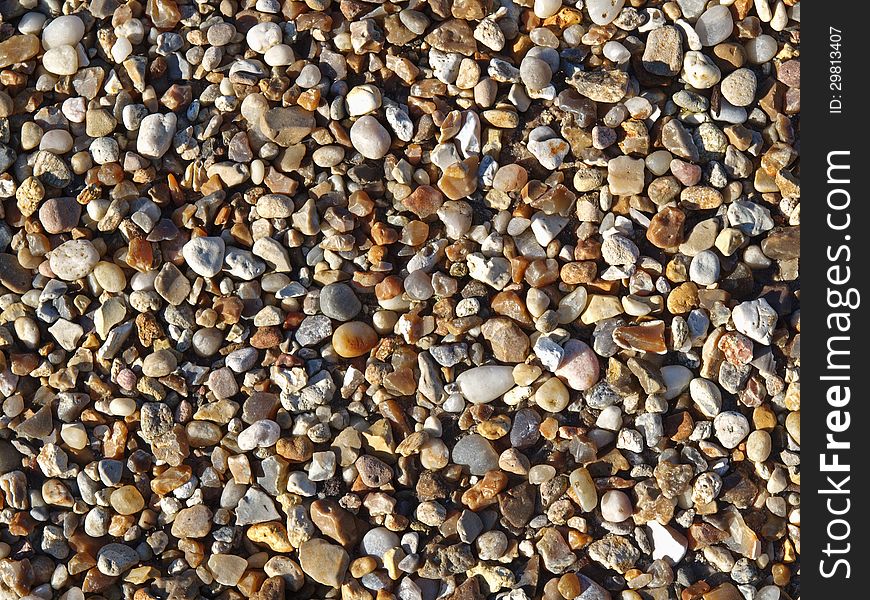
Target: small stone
(704, 268)
(579, 366)
(155, 134)
(59, 215)
(476, 453)
(714, 25)
(535, 73)
(755, 319)
(262, 434)
(18, 49)
(700, 71)
(481, 385)
(338, 301)
(663, 54)
(159, 364)
(739, 87)
(263, 36)
(614, 552)
(603, 12)
(615, 506)
(287, 126)
(706, 396)
(127, 500)
(226, 568)
(601, 86)
(666, 228)
(370, 138)
(204, 255)
(354, 339)
(509, 343)
(193, 522)
(325, 563)
(552, 396)
(731, 428)
(625, 176)
(115, 559)
(667, 543)
(61, 60)
(74, 259)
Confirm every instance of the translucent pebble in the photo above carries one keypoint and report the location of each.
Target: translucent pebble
(761, 49)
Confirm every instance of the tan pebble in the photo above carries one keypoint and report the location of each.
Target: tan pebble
(354, 339)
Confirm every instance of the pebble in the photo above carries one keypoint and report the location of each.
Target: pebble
(476, 453)
(706, 396)
(369, 138)
(699, 71)
(115, 559)
(704, 268)
(325, 563)
(263, 36)
(204, 255)
(615, 506)
(337, 301)
(579, 366)
(603, 12)
(756, 319)
(738, 87)
(354, 339)
(731, 428)
(668, 544)
(262, 434)
(59, 215)
(714, 25)
(65, 30)
(482, 385)
(226, 568)
(74, 259)
(155, 134)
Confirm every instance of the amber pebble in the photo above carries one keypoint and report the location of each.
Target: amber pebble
(309, 99)
(569, 586)
(296, 448)
(781, 574)
(666, 228)
(171, 479)
(334, 521)
(96, 581)
(18, 48)
(510, 178)
(110, 174)
(272, 534)
(484, 492)
(542, 272)
(509, 304)
(354, 339)
(646, 337)
(414, 233)
(140, 255)
(460, 179)
(384, 235)
(363, 566)
(80, 562)
(424, 201)
(163, 13)
(726, 591)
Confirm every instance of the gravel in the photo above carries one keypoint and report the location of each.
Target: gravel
(415, 300)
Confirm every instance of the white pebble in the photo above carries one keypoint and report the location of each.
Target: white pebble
(66, 30)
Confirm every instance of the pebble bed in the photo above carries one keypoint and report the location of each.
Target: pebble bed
(445, 299)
